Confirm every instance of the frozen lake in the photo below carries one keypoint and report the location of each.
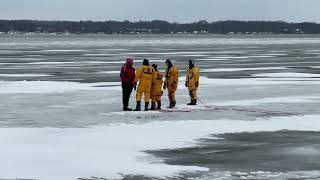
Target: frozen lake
(61, 118)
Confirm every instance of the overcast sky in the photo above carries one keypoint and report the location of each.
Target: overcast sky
(170, 10)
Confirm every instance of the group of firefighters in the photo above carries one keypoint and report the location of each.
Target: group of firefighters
(150, 82)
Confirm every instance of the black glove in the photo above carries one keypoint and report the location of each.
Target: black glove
(186, 84)
(135, 86)
(164, 86)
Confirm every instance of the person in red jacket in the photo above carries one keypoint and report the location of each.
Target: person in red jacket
(127, 76)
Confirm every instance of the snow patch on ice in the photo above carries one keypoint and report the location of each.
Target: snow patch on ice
(306, 150)
(204, 81)
(24, 75)
(195, 55)
(53, 62)
(211, 59)
(109, 72)
(287, 75)
(63, 50)
(254, 102)
(241, 69)
(313, 53)
(183, 53)
(25, 87)
(261, 56)
(51, 153)
(75, 62)
(272, 54)
(232, 57)
(231, 175)
(128, 113)
(98, 54)
(33, 55)
(100, 62)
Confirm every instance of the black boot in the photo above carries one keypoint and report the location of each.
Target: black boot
(153, 106)
(138, 107)
(173, 104)
(127, 109)
(193, 102)
(146, 106)
(125, 106)
(159, 105)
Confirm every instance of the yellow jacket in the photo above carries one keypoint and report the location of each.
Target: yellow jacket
(157, 82)
(144, 73)
(172, 78)
(192, 78)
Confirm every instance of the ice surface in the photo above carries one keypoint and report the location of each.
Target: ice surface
(108, 151)
(212, 59)
(98, 54)
(25, 87)
(254, 175)
(78, 62)
(109, 72)
(257, 81)
(255, 102)
(62, 50)
(241, 69)
(288, 75)
(24, 75)
(40, 137)
(54, 62)
(231, 57)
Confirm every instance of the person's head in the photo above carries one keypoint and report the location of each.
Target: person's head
(191, 64)
(155, 67)
(145, 62)
(129, 62)
(169, 63)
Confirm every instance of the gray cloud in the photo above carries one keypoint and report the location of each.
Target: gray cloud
(171, 10)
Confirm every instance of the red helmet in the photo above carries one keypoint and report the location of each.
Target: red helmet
(129, 61)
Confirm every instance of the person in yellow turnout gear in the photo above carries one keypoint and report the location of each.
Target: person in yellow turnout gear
(171, 82)
(192, 82)
(156, 88)
(144, 76)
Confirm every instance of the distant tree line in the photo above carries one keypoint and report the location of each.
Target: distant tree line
(158, 27)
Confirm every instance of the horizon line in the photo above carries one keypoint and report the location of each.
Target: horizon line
(135, 21)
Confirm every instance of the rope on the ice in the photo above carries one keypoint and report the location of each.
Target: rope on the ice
(205, 105)
(243, 109)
